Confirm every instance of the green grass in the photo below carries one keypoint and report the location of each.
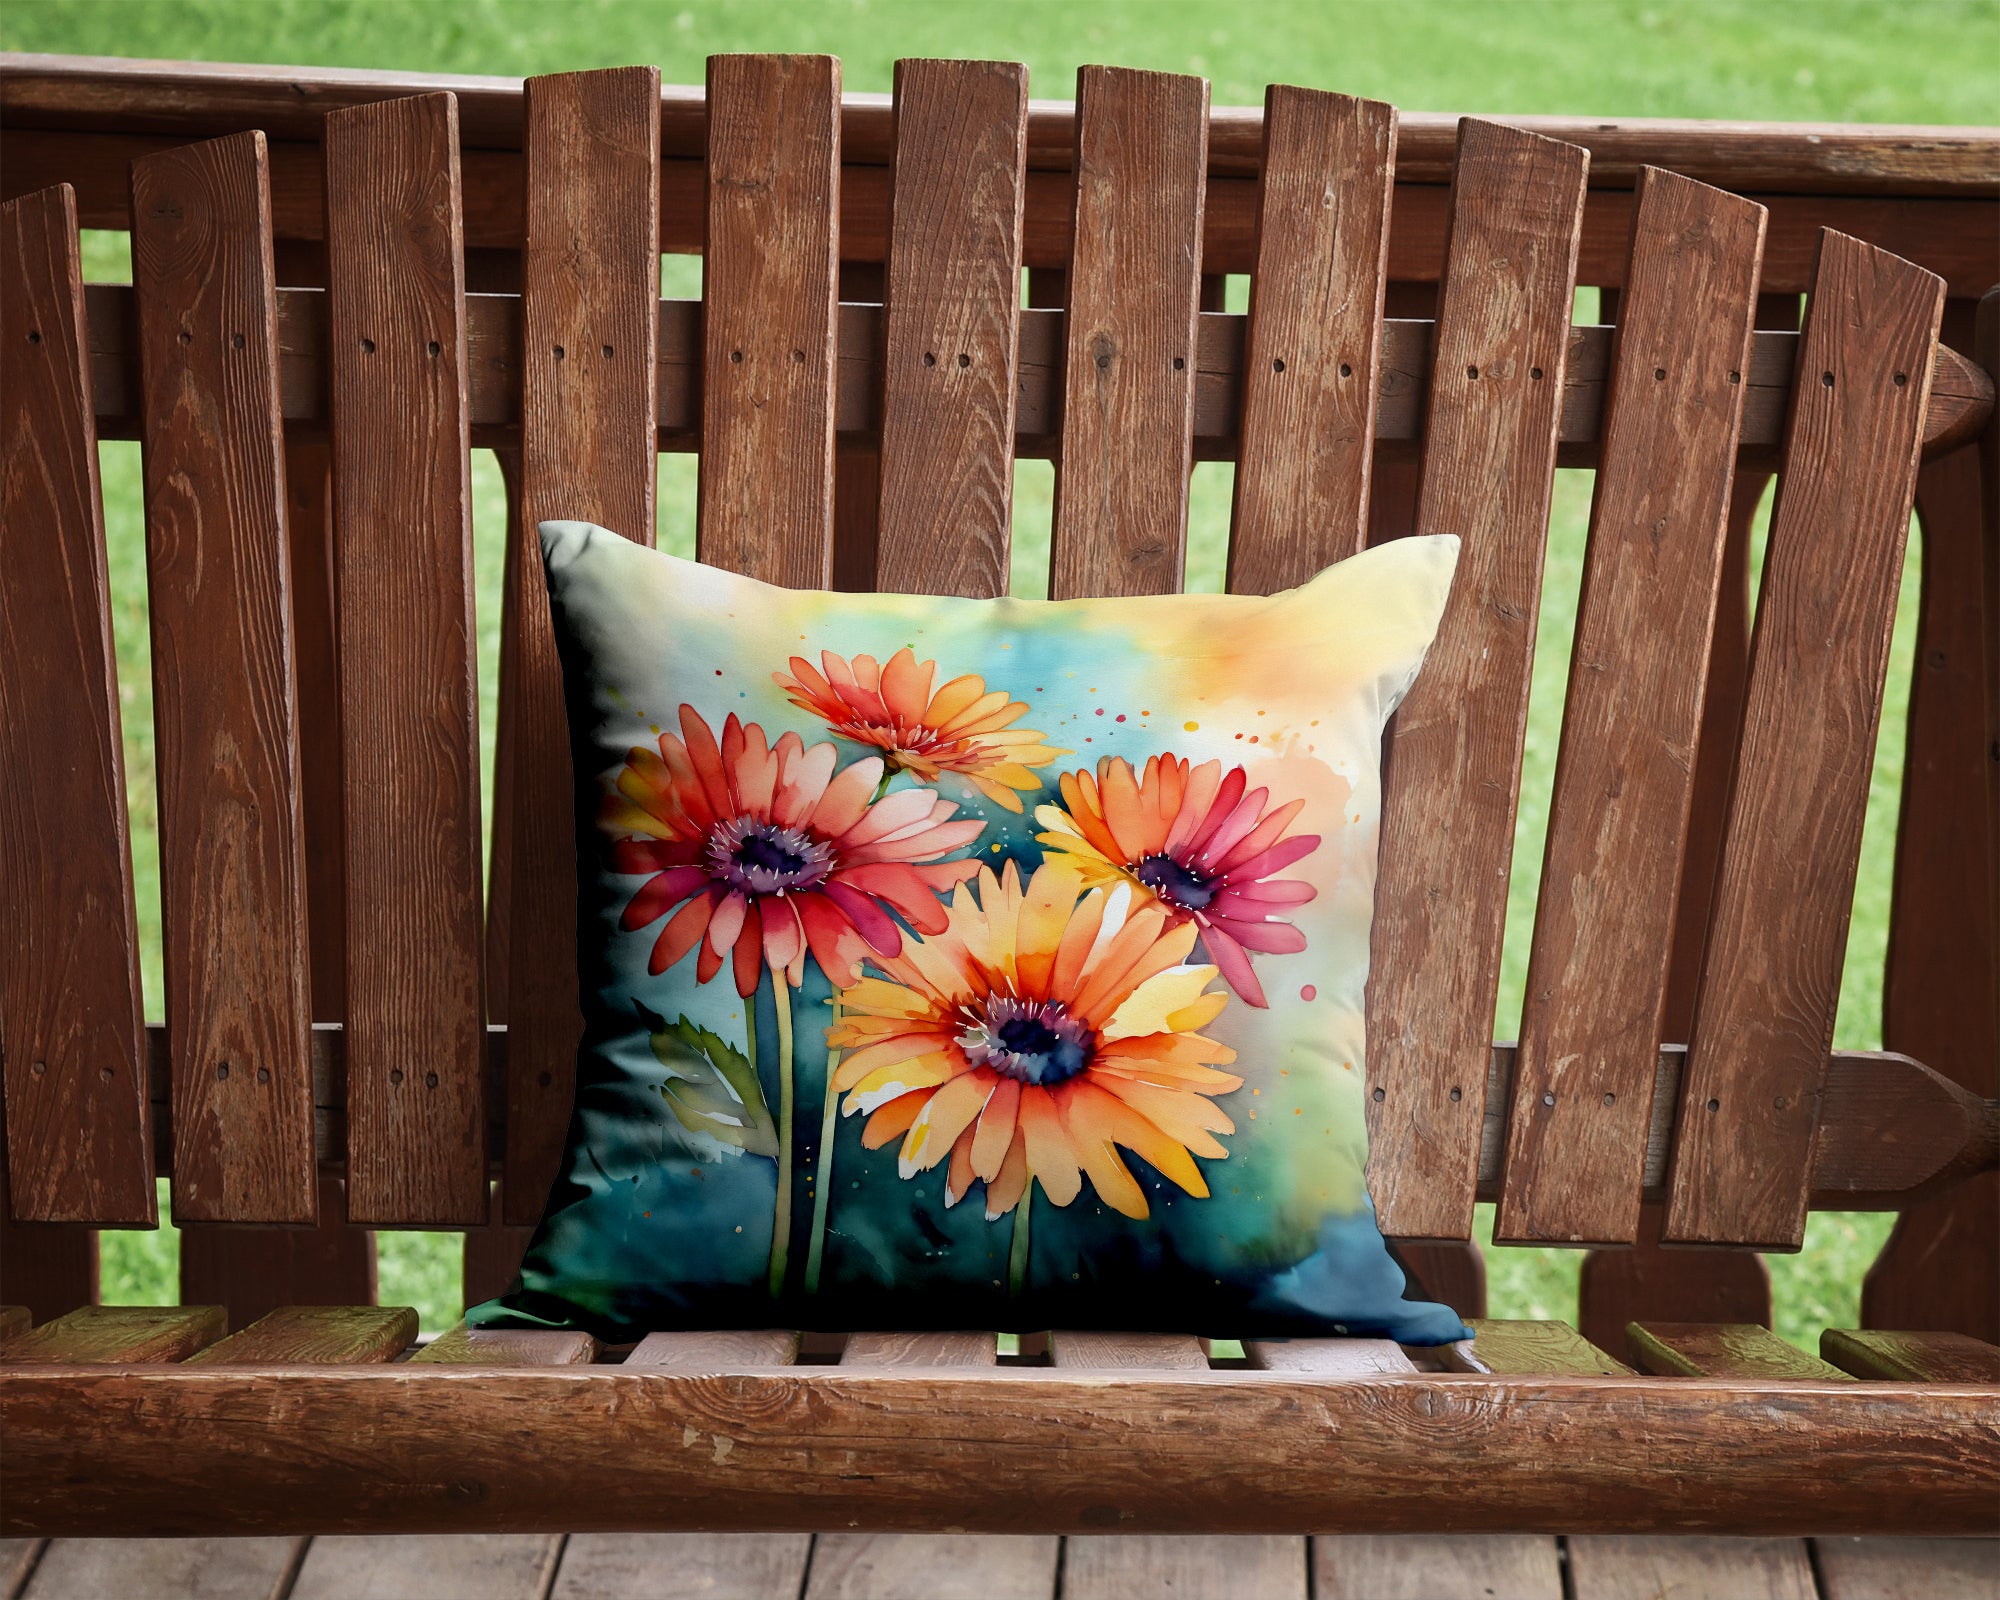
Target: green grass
(1834, 60)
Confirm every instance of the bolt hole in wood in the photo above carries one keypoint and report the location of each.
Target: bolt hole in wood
(1180, 363)
(430, 1080)
(236, 341)
(1472, 372)
(1736, 377)
(222, 1071)
(263, 1074)
(1278, 365)
(1826, 380)
(1345, 370)
(434, 348)
(367, 347)
(1378, 1096)
(1659, 374)
(1457, 1095)
(1535, 373)
(930, 359)
(1901, 379)
(39, 1068)
(736, 356)
(560, 352)
(605, 351)
(964, 361)
(396, 1076)
(1715, 1105)
(186, 337)
(34, 336)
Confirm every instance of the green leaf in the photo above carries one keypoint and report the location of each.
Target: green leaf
(714, 1089)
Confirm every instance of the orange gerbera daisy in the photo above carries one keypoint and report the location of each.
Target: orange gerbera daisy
(1193, 842)
(962, 728)
(769, 852)
(1035, 1035)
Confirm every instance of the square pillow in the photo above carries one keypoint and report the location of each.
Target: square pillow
(973, 963)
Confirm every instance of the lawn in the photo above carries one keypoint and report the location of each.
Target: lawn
(1837, 60)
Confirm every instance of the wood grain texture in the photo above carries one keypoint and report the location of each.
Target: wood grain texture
(720, 1350)
(255, 1271)
(414, 1448)
(1129, 334)
(14, 1320)
(1937, 1268)
(409, 695)
(1454, 760)
(183, 1569)
(48, 1267)
(1917, 1357)
(951, 324)
(1451, 1272)
(1216, 1567)
(118, 1334)
(492, 1257)
(920, 1350)
(1106, 1352)
(1722, 1350)
(769, 285)
(1648, 1281)
(1332, 1358)
(490, 1566)
(1756, 1069)
(1619, 1566)
(1907, 1569)
(1509, 1348)
(1362, 1566)
(1310, 369)
(78, 1137)
(460, 1346)
(933, 1566)
(682, 1566)
(590, 332)
(232, 865)
(1603, 934)
(317, 1335)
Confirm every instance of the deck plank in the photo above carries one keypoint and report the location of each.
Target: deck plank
(1185, 1566)
(1620, 1566)
(932, 1566)
(510, 1347)
(1908, 1569)
(442, 1566)
(118, 1334)
(165, 1569)
(1496, 1566)
(682, 1566)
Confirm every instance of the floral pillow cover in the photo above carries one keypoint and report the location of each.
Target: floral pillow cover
(973, 963)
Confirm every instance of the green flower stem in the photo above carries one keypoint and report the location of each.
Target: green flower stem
(824, 1182)
(1017, 1256)
(781, 1221)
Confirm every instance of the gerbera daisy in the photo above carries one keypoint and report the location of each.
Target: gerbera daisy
(1035, 1035)
(769, 853)
(1192, 841)
(963, 728)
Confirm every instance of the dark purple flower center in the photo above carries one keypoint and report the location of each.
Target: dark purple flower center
(1175, 882)
(1030, 1041)
(767, 858)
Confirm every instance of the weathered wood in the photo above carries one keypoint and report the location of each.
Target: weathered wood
(1313, 343)
(1363, 1566)
(1129, 354)
(413, 1448)
(716, 1351)
(1330, 1358)
(951, 324)
(1598, 967)
(933, 1566)
(1647, 1282)
(590, 330)
(186, 1569)
(1148, 1352)
(1618, 1566)
(682, 1566)
(14, 1320)
(1216, 1567)
(409, 696)
(508, 1347)
(1907, 1569)
(770, 354)
(490, 1566)
(1455, 755)
(1721, 1350)
(1764, 1018)
(920, 1350)
(254, 1271)
(316, 1334)
(1506, 1347)
(232, 868)
(118, 1334)
(1917, 1357)
(1909, 1286)
(1452, 1272)
(492, 1258)
(77, 1134)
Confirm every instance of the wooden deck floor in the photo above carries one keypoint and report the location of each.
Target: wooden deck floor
(681, 1566)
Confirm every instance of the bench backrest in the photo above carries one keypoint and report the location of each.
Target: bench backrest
(337, 965)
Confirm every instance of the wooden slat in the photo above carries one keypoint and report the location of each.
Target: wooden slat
(1507, 1348)
(254, 1271)
(920, 1350)
(232, 868)
(1216, 1567)
(47, 1267)
(317, 1334)
(1603, 936)
(590, 330)
(1649, 1281)
(769, 349)
(716, 1351)
(951, 324)
(78, 1145)
(1721, 1350)
(933, 1566)
(663, 1566)
(1907, 1569)
(1150, 1352)
(1455, 756)
(492, 1257)
(14, 1320)
(1363, 1566)
(1129, 355)
(508, 1347)
(117, 1334)
(1764, 1019)
(491, 1566)
(1344, 1358)
(185, 1569)
(409, 695)
(1917, 1357)
(1619, 1566)
(1314, 337)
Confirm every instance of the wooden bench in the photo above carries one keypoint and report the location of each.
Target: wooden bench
(342, 282)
